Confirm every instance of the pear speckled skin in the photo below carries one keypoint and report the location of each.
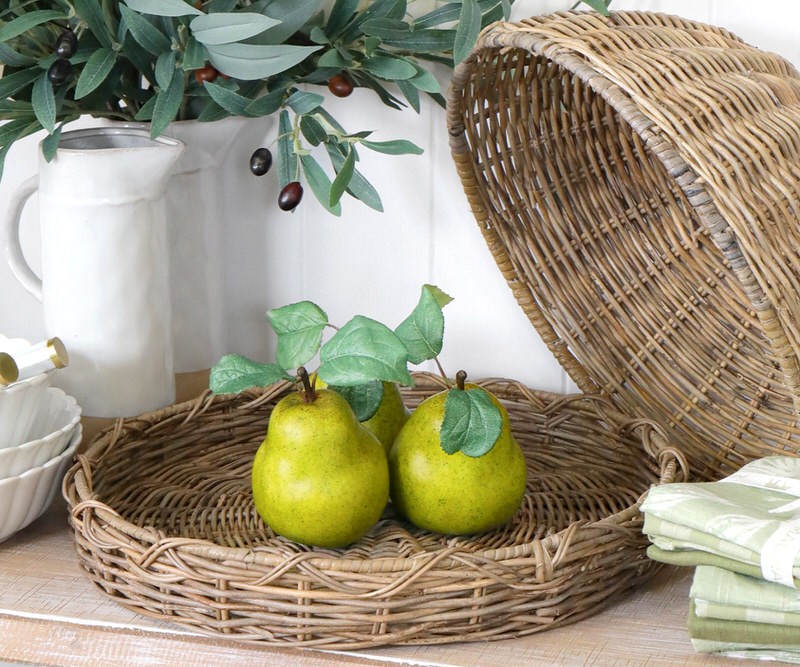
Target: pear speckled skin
(319, 477)
(454, 494)
(392, 414)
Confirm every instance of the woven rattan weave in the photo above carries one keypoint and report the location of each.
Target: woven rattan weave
(164, 522)
(637, 178)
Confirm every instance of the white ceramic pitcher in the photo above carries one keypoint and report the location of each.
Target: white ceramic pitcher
(105, 269)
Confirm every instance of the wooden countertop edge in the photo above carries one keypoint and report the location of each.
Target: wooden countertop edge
(50, 641)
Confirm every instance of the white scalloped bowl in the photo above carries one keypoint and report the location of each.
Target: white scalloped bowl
(58, 417)
(25, 497)
(19, 401)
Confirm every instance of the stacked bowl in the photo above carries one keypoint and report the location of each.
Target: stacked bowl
(40, 430)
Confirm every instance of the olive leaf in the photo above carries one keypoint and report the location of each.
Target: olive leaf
(471, 424)
(364, 399)
(469, 25)
(299, 328)
(361, 351)
(234, 373)
(422, 332)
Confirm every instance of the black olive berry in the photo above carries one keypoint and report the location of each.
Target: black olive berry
(340, 85)
(66, 44)
(290, 196)
(260, 161)
(59, 72)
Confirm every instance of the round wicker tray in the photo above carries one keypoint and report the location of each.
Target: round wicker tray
(637, 179)
(164, 522)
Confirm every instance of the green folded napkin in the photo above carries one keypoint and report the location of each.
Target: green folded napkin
(748, 517)
(747, 651)
(721, 594)
(743, 632)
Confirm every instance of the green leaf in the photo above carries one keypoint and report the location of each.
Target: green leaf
(334, 58)
(386, 28)
(361, 351)
(343, 176)
(145, 112)
(426, 41)
(314, 133)
(364, 399)
(299, 327)
(302, 102)
(598, 5)
(228, 28)
(27, 21)
(227, 99)
(266, 104)
(168, 102)
(11, 58)
(234, 373)
(165, 68)
(145, 33)
(359, 186)
(341, 13)
(11, 84)
(91, 13)
(422, 332)
(469, 25)
(471, 424)
(163, 7)
(194, 55)
(425, 81)
(43, 101)
(411, 94)
(95, 71)
(292, 15)
(320, 183)
(394, 147)
(286, 158)
(389, 68)
(50, 143)
(256, 61)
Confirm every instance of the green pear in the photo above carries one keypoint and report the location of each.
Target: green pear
(319, 478)
(392, 413)
(454, 494)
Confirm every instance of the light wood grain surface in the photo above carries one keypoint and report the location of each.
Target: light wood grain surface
(51, 614)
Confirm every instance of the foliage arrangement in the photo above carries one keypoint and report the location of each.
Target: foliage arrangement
(359, 357)
(163, 60)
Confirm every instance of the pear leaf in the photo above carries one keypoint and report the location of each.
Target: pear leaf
(471, 424)
(361, 351)
(422, 332)
(364, 399)
(299, 327)
(234, 373)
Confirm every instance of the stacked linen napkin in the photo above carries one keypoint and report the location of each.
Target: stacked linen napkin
(743, 533)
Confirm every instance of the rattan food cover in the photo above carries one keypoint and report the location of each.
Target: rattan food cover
(164, 522)
(637, 179)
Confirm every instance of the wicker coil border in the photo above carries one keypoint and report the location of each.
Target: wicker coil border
(637, 179)
(164, 523)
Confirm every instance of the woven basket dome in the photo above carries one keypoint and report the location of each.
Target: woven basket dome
(636, 179)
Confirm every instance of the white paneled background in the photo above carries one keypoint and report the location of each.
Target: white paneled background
(374, 264)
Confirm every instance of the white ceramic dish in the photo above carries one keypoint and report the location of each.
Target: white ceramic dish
(24, 498)
(19, 401)
(56, 420)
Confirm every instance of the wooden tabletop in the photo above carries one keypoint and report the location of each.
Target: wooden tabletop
(51, 614)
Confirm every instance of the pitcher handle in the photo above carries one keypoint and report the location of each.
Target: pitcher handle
(16, 259)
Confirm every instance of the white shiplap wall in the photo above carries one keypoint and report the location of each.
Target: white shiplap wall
(373, 264)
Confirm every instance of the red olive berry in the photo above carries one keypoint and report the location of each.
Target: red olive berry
(290, 196)
(340, 85)
(59, 72)
(260, 161)
(207, 73)
(66, 44)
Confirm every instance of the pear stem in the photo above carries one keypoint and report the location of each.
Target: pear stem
(309, 395)
(461, 378)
